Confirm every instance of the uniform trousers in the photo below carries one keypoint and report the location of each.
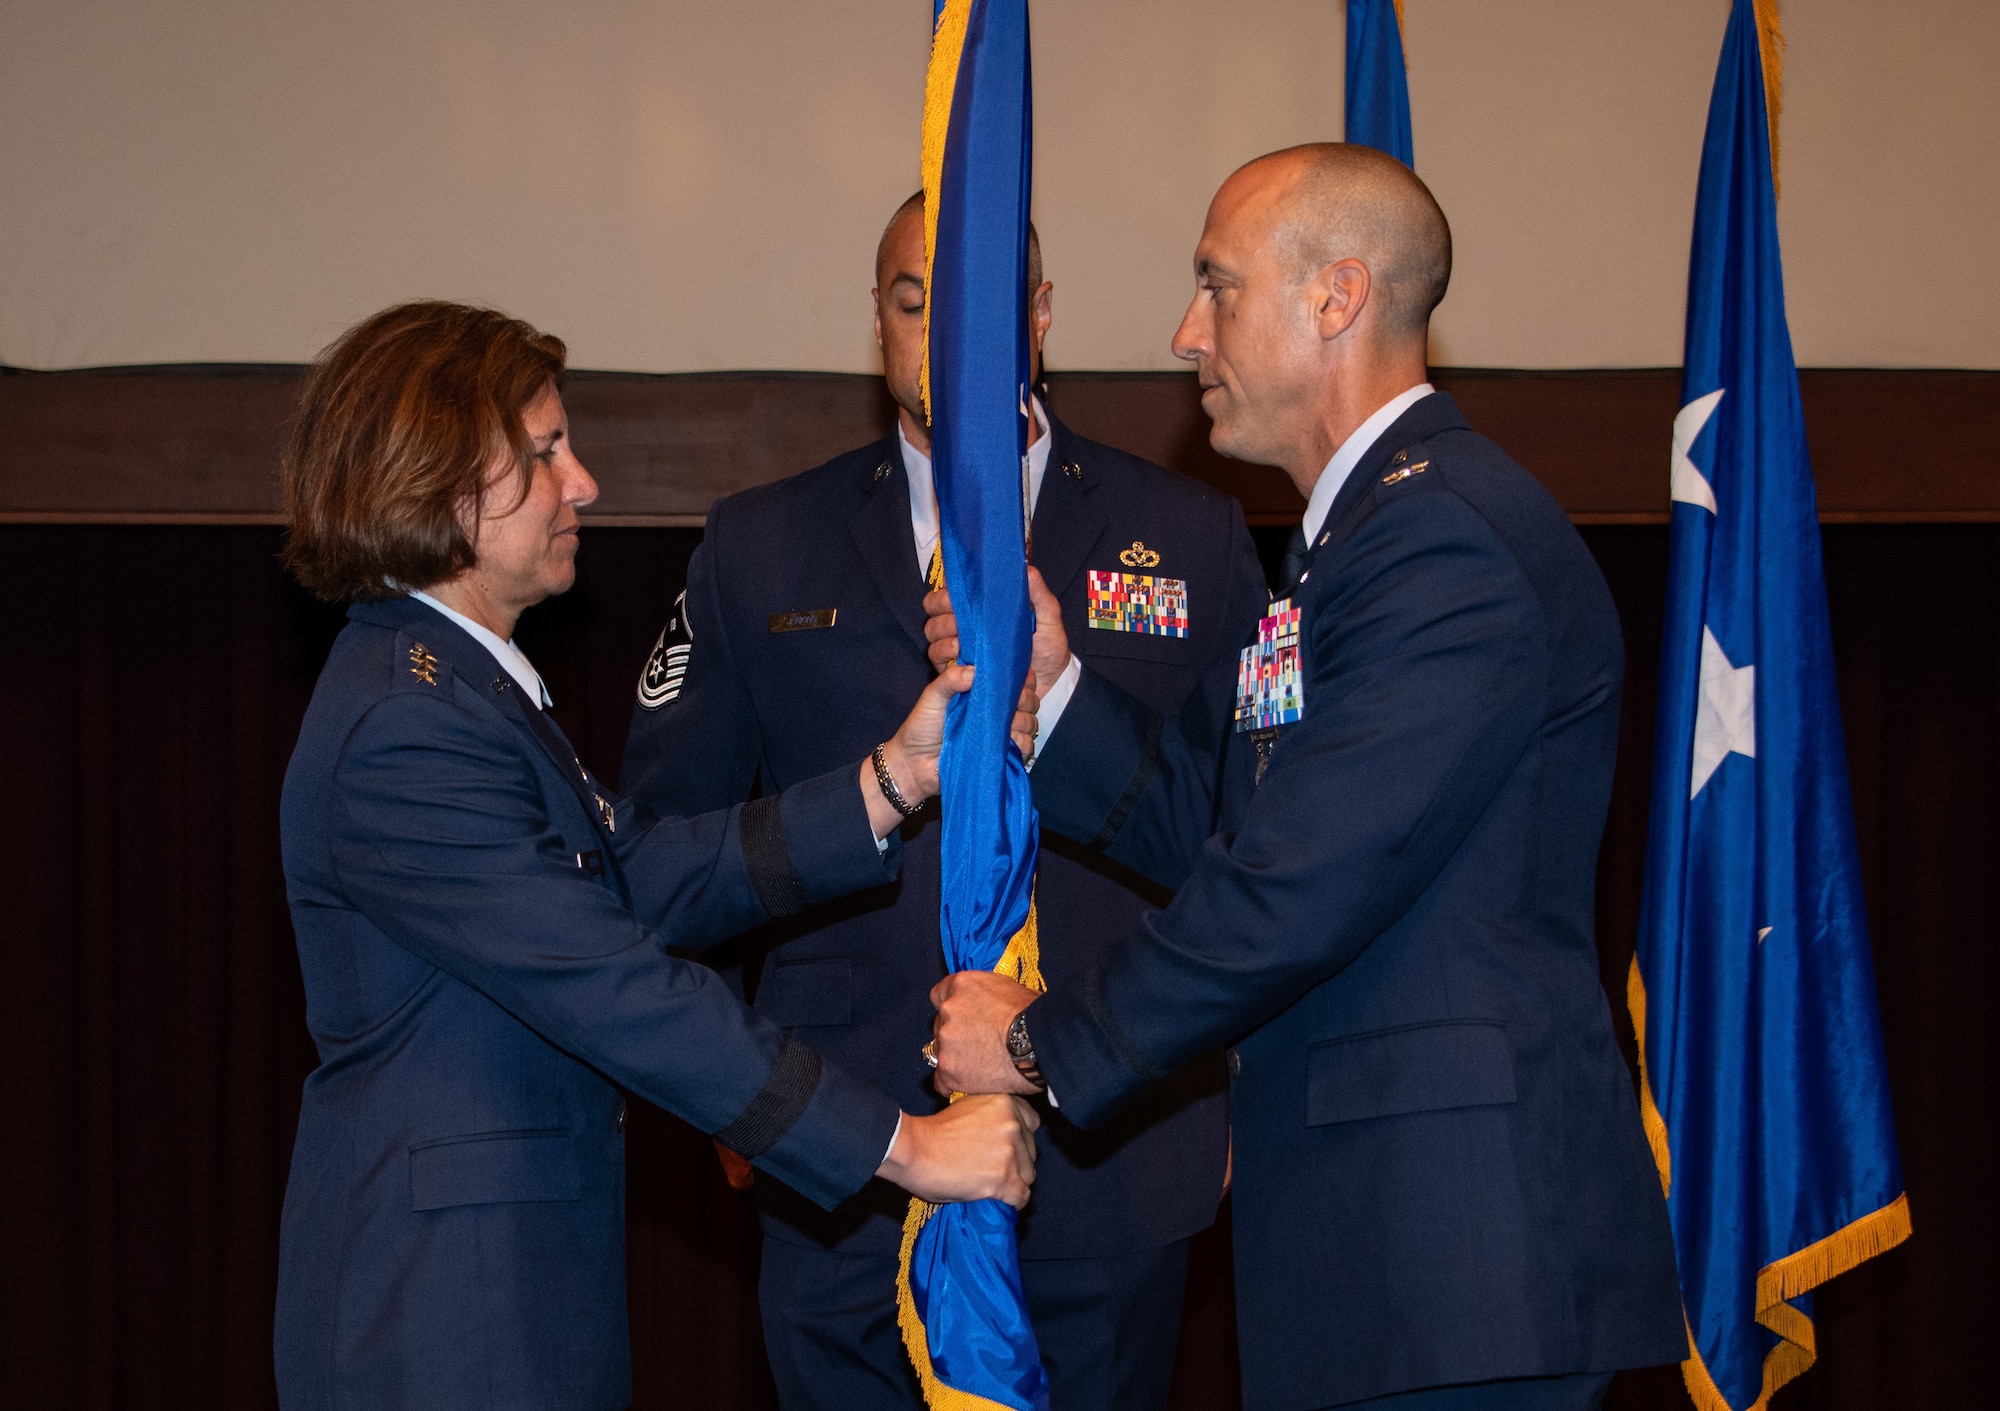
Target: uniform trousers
(1583, 1392)
(1106, 1327)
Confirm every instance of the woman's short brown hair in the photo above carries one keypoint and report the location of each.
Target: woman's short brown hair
(397, 426)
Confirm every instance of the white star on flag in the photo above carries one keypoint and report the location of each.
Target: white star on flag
(1725, 717)
(1690, 486)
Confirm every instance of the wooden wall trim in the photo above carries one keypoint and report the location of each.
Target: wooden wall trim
(197, 444)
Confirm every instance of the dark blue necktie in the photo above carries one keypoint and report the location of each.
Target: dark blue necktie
(1294, 562)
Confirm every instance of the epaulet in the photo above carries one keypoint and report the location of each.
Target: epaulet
(416, 668)
(1406, 468)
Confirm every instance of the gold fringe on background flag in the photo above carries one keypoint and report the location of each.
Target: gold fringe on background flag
(1797, 1273)
(1771, 45)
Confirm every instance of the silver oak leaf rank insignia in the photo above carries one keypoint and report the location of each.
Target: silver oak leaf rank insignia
(666, 668)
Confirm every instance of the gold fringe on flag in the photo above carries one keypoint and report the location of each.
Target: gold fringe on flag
(1797, 1273)
(937, 1395)
(1022, 963)
(1649, 1110)
(940, 82)
(1771, 46)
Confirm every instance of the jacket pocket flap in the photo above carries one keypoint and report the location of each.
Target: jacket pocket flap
(491, 1167)
(799, 993)
(1466, 1063)
(1139, 646)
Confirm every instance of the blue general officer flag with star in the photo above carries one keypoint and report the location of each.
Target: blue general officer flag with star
(1378, 85)
(1765, 1095)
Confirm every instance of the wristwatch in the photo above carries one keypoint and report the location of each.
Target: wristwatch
(1021, 1049)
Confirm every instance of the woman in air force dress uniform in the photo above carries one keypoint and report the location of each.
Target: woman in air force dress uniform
(482, 923)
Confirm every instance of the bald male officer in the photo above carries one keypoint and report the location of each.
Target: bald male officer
(1444, 1199)
(801, 639)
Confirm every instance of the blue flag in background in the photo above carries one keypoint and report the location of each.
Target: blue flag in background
(1765, 1095)
(963, 1315)
(1378, 87)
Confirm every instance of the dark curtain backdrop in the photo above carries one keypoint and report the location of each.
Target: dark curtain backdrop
(152, 1040)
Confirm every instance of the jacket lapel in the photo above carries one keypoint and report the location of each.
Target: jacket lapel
(882, 534)
(475, 666)
(1435, 413)
(1068, 522)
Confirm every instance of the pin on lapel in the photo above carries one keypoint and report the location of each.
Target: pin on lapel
(1139, 556)
(423, 665)
(882, 471)
(1072, 470)
(1405, 473)
(606, 812)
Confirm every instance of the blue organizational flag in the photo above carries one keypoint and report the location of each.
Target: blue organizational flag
(1378, 87)
(1765, 1095)
(964, 1317)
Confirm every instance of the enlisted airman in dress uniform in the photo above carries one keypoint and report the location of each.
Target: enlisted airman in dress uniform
(802, 632)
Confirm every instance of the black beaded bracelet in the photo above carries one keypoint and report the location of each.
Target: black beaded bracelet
(887, 783)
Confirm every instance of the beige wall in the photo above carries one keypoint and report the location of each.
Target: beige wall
(682, 184)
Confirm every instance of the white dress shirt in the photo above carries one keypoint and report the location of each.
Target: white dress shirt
(512, 660)
(1352, 450)
(923, 484)
(924, 530)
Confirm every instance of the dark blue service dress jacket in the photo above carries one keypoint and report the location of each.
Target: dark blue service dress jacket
(800, 642)
(481, 925)
(1440, 1171)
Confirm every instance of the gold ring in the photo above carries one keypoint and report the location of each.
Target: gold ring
(930, 1053)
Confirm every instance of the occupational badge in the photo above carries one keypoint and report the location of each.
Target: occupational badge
(1270, 681)
(666, 668)
(1132, 602)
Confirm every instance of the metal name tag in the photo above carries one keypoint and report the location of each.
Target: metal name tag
(803, 621)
